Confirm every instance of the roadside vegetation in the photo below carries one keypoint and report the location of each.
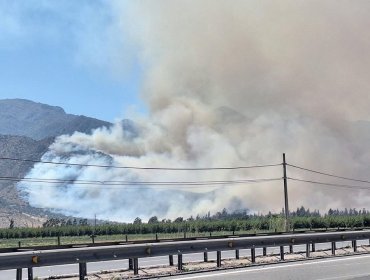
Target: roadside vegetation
(222, 223)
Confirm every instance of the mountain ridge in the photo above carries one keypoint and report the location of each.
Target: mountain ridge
(38, 121)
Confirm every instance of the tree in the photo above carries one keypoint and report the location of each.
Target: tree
(137, 221)
(153, 220)
(179, 220)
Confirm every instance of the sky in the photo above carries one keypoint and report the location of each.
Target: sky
(62, 53)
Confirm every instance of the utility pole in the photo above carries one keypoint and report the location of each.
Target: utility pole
(286, 208)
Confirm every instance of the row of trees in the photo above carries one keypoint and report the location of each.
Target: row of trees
(273, 222)
(244, 214)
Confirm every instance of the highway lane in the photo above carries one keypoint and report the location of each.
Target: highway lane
(154, 261)
(342, 268)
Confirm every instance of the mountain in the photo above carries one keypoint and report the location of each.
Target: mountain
(27, 129)
(38, 121)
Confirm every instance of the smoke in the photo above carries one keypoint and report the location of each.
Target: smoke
(228, 84)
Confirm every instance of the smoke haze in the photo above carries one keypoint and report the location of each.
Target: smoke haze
(228, 83)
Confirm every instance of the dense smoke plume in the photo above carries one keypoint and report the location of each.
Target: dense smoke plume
(228, 83)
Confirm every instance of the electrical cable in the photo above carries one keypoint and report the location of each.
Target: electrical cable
(329, 184)
(328, 174)
(140, 168)
(131, 183)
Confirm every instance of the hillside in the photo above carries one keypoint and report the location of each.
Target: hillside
(38, 121)
(26, 131)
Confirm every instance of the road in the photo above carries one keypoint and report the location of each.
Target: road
(154, 261)
(343, 268)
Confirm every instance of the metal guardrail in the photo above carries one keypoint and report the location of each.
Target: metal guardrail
(157, 239)
(30, 259)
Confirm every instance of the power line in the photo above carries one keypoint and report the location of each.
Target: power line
(328, 174)
(330, 184)
(134, 183)
(140, 168)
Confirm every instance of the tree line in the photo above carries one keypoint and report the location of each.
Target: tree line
(223, 221)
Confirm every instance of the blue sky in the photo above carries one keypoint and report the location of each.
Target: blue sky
(70, 54)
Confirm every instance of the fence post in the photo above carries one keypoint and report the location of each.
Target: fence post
(282, 253)
(30, 273)
(82, 270)
(136, 266)
(291, 249)
(333, 247)
(179, 262)
(253, 254)
(218, 258)
(307, 250)
(205, 255)
(354, 245)
(19, 274)
(264, 251)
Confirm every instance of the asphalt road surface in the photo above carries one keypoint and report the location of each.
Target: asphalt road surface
(147, 262)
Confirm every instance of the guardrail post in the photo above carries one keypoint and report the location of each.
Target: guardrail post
(170, 257)
(19, 274)
(253, 254)
(126, 238)
(264, 251)
(136, 266)
(333, 247)
(313, 247)
(307, 250)
(130, 264)
(205, 255)
(19, 244)
(354, 245)
(237, 254)
(179, 262)
(83, 270)
(282, 253)
(58, 240)
(291, 249)
(218, 258)
(30, 273)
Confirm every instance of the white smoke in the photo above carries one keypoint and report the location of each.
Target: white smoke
(228, 84)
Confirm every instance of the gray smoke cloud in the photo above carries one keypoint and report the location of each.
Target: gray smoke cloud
(228, 83)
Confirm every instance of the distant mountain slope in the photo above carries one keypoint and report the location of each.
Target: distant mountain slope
(11, 204)
(38, 121)
(18, 147)
(27, 129)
